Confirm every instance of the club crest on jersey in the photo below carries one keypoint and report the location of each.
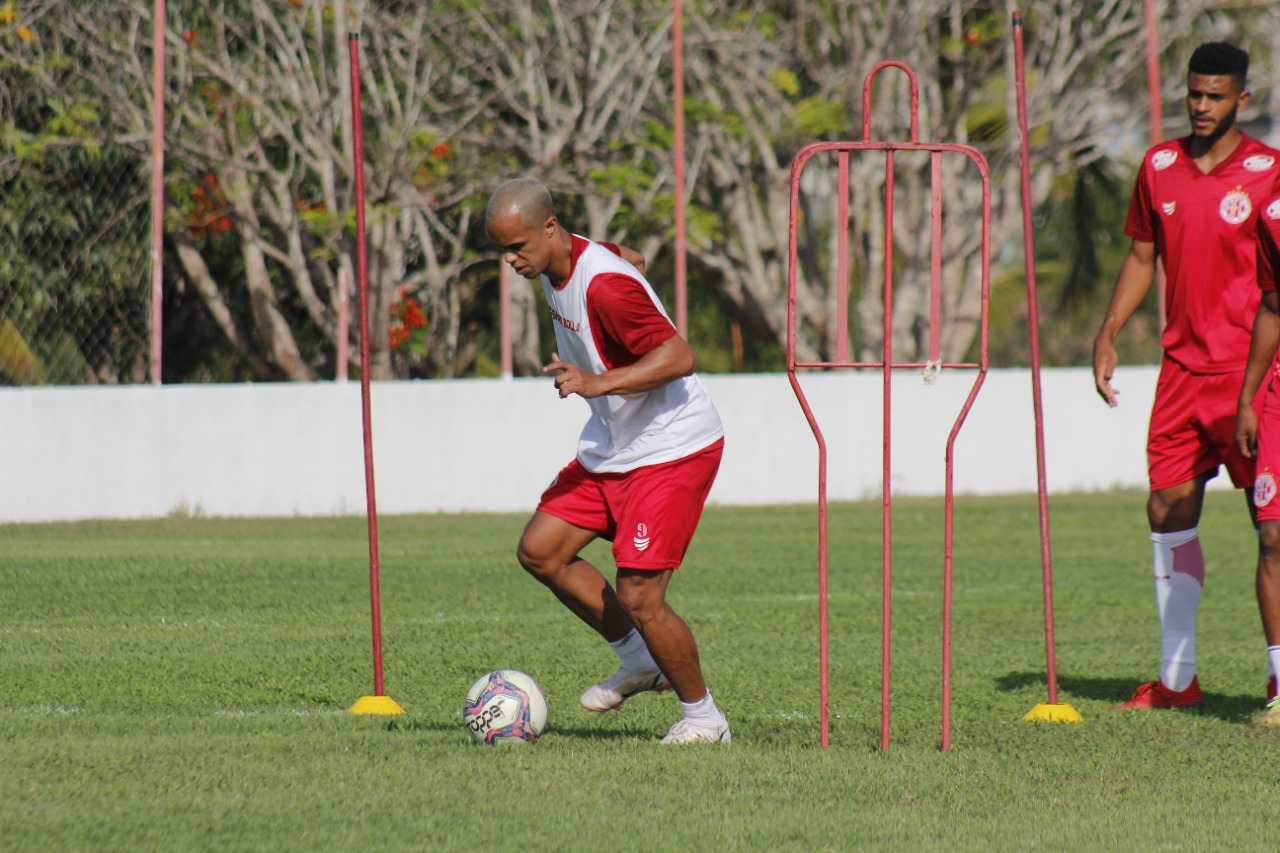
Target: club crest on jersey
(1259, 162)
(1273, 210)
(1264, 489)
(641, 539)
(1163, 159)
(1235, 207)
(1169, 207)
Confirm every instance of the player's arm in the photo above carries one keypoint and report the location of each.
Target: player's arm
(1131, 288)
(671, 359)
(1262, 349)
(629, 255)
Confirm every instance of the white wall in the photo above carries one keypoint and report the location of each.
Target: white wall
(285, 449)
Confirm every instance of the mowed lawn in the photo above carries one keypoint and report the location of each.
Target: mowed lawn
(179, 684)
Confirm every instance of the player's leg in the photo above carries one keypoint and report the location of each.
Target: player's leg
(1268, 589)
(1180, 459)
(548, 550)
(1265, 506)
(643, 593)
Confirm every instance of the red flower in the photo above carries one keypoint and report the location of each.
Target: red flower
(441, 150)
(189, 36)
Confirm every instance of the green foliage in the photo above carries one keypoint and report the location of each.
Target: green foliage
(819, 118)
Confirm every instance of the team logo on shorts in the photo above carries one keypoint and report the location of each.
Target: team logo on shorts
(1264, 489)
(1259, 162)
(641, 539)
(1273, 210)
(1163, 159)
(1235, 207)
(1169, 207)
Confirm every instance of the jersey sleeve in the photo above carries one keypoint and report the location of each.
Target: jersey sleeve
(1269, 249)
(620, 309)
(612, 247)
(1138, 224)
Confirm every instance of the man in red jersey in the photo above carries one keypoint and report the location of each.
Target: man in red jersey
(1195, 204)
(646, 458)
(1261, 440)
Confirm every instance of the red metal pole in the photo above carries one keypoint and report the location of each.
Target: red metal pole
(158, 29)
(677, 128)
(842, 257)
(362, 281)
(1157, 123)
(935, 264)
(1033, 325)
(504, 315)
(824, 694)
(344, 326)
(886, 497)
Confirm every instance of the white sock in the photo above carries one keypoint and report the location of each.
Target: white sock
(1178, 565)
(1273, 653)
(633, 653)
(704, 710)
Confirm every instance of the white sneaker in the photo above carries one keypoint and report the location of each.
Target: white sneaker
(687, 730)
(609, 694)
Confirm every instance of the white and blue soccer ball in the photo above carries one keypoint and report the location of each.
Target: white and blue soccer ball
(505, 707)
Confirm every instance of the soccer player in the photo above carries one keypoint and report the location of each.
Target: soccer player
(1195, 205)
(645, 462)
(1261, 440)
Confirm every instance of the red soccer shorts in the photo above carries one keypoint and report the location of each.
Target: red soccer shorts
(1193, 428)
(1268, 454)
(650, 513)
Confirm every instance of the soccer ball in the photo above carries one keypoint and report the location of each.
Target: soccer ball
(505, 707)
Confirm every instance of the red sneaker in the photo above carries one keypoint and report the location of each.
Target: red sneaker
(1154, 696)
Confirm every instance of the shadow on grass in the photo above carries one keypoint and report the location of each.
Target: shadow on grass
(1233, 708)
(559, 731)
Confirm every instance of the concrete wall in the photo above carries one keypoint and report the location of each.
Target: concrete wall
(126, 452)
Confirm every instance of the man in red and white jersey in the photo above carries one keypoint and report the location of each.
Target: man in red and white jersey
(1195, 205)
(1260, 439)
(646, 458)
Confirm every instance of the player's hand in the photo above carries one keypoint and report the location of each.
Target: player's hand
(1247, 430)
(1104, 367)
(571, 379)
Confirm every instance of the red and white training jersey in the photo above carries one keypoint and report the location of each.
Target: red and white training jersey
(606, 315)
(1204, 227)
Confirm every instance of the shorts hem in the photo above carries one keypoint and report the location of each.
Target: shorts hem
(1210, 472)
(569, 518)
(660, 566)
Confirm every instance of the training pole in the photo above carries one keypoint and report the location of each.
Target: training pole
(157, 188)
(677, 153)
(1157, 124)
(1051, 711)
(379, 703)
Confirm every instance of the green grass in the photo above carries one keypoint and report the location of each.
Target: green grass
(179, 684)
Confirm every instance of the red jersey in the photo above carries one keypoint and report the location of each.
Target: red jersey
(1269, 245)
(1204, 226)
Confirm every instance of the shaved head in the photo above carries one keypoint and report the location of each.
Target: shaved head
(523, 196)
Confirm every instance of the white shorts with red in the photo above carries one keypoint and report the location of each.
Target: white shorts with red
(649, 513)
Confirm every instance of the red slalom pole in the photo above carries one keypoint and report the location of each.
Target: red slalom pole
(677, 155)
(379, 703)
(1033, 324)
(1157, 124)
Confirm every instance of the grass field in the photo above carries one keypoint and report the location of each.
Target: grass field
(179, 684)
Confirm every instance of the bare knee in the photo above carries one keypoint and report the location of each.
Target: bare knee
(642, 603)
(1178, 508)
(542, 563)
(1269, 545)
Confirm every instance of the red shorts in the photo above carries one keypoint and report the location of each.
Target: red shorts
(1268, 455)
(656, 508)
(1193, 428)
